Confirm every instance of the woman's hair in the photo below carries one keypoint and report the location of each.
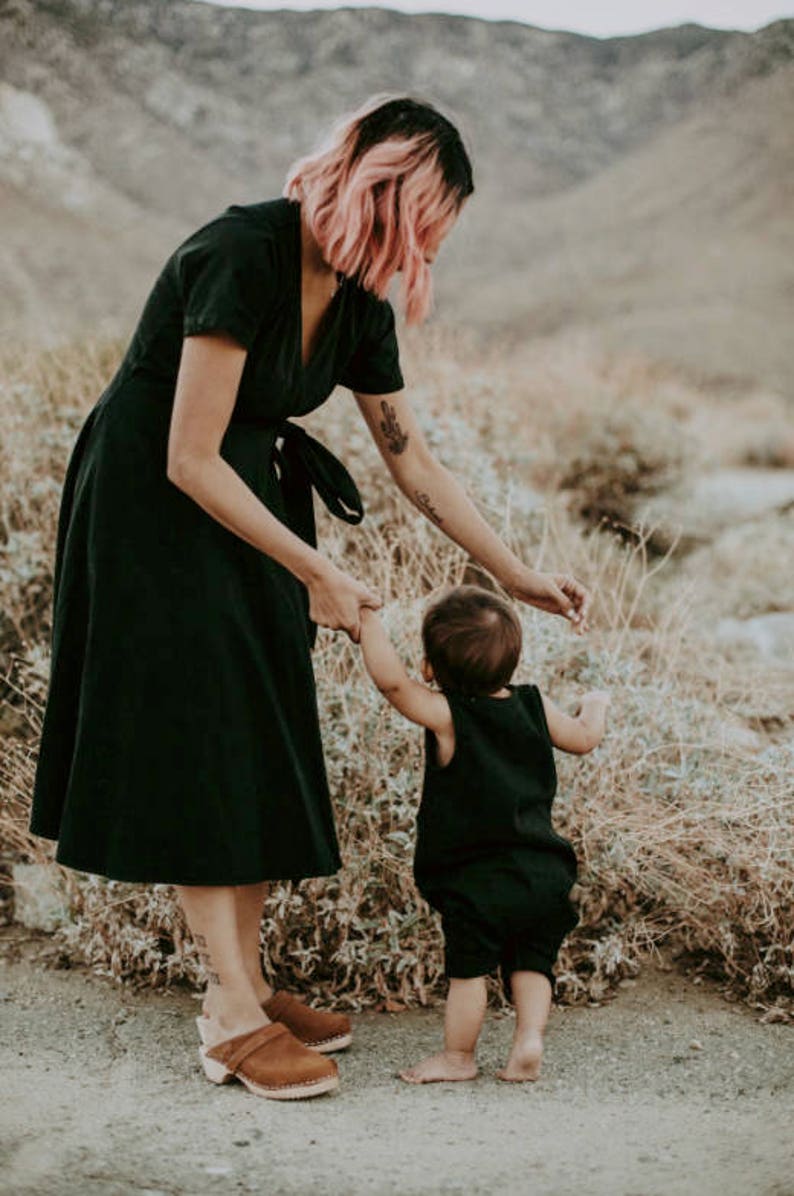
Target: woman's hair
(387, 183)
(472, 640)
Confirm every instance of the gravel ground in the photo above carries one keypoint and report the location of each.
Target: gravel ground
(668, 1090)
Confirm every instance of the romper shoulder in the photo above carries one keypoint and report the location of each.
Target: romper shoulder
(532, 701)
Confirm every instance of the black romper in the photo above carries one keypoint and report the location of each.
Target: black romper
(486, 855)
(181, 741)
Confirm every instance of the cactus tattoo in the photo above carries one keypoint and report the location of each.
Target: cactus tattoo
(395, 437)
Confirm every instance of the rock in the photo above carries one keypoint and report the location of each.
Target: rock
(39, 898)
(745, 571)
(768, 636)
(701, 509)
(696, 1045)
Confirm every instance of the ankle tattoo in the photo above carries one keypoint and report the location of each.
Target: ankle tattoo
(206, 960)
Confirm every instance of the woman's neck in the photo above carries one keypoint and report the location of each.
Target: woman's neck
(313, 263)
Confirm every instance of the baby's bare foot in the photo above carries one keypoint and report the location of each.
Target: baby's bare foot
(446, 1065)
(525, 1059)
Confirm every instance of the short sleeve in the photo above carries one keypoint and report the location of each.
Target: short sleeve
(374, 367)
(226, 280)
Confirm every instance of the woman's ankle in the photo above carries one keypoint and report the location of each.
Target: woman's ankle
(262, 989)
(233, 1010)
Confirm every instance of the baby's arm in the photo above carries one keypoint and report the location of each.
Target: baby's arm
(414, 700)
(585, 730)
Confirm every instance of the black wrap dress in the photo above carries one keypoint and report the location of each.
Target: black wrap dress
(181, 741)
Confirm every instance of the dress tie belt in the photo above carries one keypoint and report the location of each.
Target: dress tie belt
(303, 465)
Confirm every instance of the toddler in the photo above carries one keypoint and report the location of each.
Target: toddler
(486, 855)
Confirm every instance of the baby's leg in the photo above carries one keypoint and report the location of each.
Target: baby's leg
(463, 1019)
(532, 999)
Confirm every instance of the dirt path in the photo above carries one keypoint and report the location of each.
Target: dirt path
(102, 1096)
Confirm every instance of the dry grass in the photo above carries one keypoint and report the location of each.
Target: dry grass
(682, 820)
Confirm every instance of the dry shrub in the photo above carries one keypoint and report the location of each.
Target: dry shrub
(627, 456)
(682, 824)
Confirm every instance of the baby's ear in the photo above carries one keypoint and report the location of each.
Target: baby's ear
(427, 670)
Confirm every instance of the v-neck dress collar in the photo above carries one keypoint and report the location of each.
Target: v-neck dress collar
(324, 336)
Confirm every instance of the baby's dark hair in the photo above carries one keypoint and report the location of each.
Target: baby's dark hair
(472, 640)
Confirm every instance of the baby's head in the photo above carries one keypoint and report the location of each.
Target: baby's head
(472, 641)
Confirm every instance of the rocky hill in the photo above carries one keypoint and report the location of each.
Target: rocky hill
(123, 123)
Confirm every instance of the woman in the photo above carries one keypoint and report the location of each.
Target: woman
(181, 741)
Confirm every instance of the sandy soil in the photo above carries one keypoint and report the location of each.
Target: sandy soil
(102, 1096)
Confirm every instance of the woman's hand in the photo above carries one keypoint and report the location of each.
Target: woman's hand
(336, 598)
(558, 593)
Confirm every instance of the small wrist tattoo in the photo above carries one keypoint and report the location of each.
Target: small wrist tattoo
(390, 427)
(425, 504)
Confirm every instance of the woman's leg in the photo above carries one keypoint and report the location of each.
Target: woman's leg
(463, 1019)
(249, 901)
(324, 1032)
(532, 999)
(231, 1001)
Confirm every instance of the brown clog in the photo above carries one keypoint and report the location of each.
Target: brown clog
(270, 1062)
(317, 1030)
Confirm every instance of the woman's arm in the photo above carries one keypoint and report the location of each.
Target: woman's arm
(438, 495)
(206, 388)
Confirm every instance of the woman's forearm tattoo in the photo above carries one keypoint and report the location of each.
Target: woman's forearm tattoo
(389, 425)
(425, 504)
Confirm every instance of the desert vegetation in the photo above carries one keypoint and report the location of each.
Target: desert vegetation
(682, 819)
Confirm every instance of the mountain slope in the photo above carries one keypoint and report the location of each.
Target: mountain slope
(124, 123)
(683, 249)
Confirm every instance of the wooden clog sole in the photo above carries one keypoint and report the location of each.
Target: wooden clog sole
(219, 1074)
(340, 1043)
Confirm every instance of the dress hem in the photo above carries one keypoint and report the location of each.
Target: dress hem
(199, 882)
(245, 878)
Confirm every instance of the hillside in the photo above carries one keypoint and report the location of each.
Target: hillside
(683, 249)
(123, 123)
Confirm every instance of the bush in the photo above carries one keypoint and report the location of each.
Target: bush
(683, 826)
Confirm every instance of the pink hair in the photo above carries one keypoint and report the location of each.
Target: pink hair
(378, 212)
